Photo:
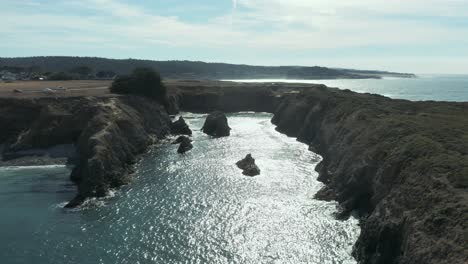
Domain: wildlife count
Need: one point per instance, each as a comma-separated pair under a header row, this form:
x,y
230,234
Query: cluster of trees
x,y
75,73
81,73
142,81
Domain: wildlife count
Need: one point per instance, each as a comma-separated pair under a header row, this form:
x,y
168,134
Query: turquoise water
x,y
193,208
29,206
426,87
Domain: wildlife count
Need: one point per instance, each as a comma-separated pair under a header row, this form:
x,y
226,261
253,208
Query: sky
x,y
418,36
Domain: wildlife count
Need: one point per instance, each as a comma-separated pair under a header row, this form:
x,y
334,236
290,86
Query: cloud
x,y
116,8
256,26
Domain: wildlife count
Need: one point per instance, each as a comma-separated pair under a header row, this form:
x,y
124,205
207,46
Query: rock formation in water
x,y
108,132
216,125
248,166
185,144
179,127
179,140
401,165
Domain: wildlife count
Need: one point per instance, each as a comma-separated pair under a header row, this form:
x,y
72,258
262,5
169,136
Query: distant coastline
x,y
98,67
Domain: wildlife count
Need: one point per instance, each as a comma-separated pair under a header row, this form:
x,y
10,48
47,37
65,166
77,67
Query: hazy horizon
x,y
421,37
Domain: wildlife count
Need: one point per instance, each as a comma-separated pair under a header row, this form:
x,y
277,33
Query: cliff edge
x,y
402,166
107,132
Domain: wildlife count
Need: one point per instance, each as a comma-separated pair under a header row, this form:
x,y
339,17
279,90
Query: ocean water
x,y
192,208
452,88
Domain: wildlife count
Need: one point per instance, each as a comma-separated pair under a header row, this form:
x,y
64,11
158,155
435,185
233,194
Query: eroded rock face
x,y
185,144
216,125
180,127
109,133
248,166
399,164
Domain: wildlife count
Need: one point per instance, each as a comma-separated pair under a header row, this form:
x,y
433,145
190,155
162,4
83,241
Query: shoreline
x,y
395,162
376,154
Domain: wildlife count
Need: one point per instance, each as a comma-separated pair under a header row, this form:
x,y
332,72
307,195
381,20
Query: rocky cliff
x,y
107,132
207,96
401,166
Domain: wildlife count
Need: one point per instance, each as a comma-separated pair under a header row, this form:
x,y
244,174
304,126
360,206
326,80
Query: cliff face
x,y
108,133
402,166
208,96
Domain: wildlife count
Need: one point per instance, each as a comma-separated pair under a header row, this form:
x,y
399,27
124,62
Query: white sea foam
x,y
53,166
90,203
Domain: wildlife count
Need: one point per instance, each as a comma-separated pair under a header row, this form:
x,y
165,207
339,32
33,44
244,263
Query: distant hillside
x,y
189,69
378,73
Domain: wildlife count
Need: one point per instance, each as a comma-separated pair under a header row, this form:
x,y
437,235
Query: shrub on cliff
x,y
142,81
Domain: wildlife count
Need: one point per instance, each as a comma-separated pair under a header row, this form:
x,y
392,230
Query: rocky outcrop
x,y
108,132
228,97
179,140
248,166
216,125
185,144
179,127
401,165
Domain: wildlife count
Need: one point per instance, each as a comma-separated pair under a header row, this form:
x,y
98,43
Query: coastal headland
x,y
400,166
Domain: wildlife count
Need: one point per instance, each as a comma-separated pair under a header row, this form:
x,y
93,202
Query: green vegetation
x,y
60,76
185,69
105,74
82,71
143,81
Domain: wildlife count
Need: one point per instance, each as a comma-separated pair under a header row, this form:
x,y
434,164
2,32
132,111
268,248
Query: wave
x,y
53,166
89,203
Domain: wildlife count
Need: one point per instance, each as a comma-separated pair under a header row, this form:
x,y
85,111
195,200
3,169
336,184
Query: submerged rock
x,y
185,144
216,125
248,166
179,127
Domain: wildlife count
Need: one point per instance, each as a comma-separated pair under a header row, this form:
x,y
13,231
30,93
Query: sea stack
x,y
248,166
185,144
216,125
180,127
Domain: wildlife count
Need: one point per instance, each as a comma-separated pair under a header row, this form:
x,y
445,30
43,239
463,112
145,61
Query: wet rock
x,y
248,166
216,125
179,127
185,144
180,139
108,135
75,202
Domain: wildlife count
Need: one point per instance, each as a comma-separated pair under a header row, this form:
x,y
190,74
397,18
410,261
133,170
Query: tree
x,y
105,74
60,76
143,81
83,71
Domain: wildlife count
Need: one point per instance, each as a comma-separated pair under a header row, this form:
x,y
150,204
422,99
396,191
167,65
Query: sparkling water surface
x,y
192,208
426,87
